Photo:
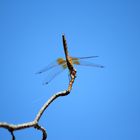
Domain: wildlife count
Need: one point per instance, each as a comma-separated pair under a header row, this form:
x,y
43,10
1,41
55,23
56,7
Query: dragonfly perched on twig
x,y
61,64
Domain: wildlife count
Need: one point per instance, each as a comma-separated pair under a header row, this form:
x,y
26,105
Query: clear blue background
x,y
104,103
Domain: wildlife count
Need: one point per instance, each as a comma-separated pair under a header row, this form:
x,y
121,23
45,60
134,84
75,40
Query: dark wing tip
x,y
102,66
45,83
38,72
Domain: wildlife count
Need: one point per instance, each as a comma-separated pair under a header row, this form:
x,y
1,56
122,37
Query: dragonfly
x,y
60,64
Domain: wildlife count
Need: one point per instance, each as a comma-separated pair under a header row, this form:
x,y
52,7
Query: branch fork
x,y
35,123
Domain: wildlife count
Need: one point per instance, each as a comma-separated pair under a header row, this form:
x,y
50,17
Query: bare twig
x,y
13,137
11,127
44,133
69,64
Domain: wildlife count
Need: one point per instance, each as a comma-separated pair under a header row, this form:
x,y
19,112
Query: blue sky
x,y
104,103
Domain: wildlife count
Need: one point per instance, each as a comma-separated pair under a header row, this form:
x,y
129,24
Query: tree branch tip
x,y
63,34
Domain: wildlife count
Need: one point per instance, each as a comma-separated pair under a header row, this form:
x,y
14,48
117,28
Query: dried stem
x,y
35,123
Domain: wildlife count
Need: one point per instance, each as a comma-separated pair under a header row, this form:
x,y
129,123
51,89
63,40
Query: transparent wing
x,y
81,62
77,58
53,73
57,63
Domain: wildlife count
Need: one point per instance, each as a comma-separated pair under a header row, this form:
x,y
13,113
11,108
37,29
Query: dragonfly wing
x,y
78,58
86,63
56,63
53,73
